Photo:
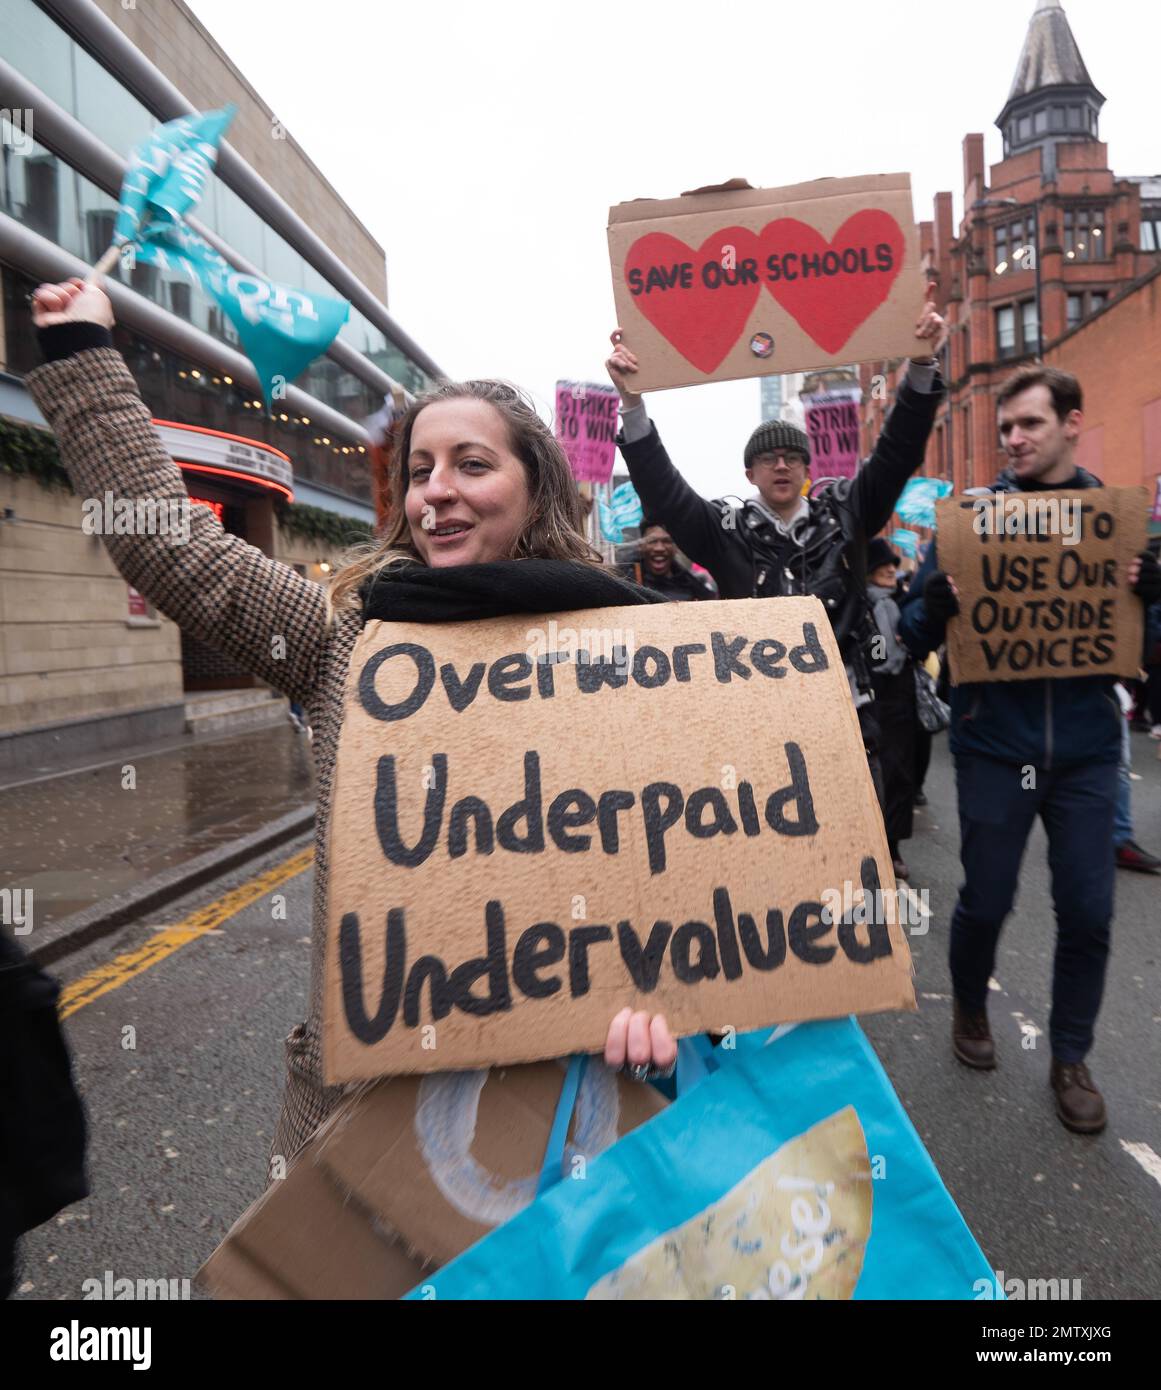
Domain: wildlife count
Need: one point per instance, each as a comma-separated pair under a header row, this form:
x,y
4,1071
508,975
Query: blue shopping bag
x,y
789,1170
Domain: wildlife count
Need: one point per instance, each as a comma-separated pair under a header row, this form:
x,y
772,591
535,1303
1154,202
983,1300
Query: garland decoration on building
x,y
29,452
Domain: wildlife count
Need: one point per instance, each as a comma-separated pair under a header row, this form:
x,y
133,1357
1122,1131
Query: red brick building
x,y
1116,355
1050,237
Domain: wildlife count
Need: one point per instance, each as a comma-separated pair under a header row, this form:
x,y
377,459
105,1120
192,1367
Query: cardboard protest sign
x,y
1042,583
734,281
538,821
586,425
832,423
409,1172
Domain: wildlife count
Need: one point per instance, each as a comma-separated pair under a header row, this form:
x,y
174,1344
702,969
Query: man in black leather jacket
x,y
781,543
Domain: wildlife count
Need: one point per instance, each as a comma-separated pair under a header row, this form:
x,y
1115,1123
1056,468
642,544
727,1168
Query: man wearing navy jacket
x,y
1022,749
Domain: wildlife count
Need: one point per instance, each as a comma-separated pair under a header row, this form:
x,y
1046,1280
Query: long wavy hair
x,y
552,529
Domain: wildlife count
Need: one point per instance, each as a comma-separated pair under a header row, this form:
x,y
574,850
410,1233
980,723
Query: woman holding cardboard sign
x,y
486,522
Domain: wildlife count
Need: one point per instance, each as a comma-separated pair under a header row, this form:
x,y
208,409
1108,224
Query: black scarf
x,y
418,593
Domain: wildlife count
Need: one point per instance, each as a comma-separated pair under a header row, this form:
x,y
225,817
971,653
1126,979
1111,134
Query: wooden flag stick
x,y
105,264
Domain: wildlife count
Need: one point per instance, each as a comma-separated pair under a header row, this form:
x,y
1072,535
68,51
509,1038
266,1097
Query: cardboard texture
x,y
1042,583
408,1173
739,282
521,844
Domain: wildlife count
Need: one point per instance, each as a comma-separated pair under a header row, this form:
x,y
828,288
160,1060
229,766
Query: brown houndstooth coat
x,y
227,593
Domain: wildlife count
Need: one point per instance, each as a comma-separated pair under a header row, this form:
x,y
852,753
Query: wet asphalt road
x,y
181,1122
83,836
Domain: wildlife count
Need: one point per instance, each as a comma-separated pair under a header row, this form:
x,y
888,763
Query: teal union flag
x,y
916,504
623,509
167,173
282,329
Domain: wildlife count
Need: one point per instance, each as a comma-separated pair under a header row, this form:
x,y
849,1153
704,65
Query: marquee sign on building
x,y
231,456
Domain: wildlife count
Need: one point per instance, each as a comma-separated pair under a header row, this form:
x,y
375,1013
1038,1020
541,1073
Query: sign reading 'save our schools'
x,y
539,821
735,281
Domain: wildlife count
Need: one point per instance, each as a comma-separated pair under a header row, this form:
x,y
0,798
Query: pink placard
x,y
832,422
586,425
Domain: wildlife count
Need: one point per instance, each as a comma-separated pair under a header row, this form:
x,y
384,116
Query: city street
x,y
181,1121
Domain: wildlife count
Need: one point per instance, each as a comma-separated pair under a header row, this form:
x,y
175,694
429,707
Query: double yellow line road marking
x,y
124,968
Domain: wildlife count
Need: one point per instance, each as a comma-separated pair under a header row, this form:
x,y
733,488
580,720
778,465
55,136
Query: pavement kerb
x,y
69,934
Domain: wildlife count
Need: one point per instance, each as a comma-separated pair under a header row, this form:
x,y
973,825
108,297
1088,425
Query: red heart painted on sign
x,y
690,297
830,288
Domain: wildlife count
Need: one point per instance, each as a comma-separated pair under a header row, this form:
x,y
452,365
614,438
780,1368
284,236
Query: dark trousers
x,y
8,1249
869,728
922,754
898,720
1152,701
996,813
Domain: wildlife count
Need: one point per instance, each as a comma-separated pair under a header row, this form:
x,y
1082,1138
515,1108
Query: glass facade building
x,y
50,197
86,663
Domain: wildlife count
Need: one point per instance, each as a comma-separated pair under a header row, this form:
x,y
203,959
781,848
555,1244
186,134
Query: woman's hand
x,y
638,1042
74,301
620,365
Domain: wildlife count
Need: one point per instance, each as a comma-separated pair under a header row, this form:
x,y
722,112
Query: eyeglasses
x,y
791,460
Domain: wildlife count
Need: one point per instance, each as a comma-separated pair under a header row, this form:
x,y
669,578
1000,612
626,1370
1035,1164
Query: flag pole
x,y
103,266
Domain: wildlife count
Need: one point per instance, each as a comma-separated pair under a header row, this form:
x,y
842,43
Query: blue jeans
x,y
996,813
1123,826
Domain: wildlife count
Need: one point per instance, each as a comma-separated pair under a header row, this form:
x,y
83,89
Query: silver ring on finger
x,y
637,1071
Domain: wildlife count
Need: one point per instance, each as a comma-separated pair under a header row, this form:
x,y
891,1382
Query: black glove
x,y
1148,585
938,599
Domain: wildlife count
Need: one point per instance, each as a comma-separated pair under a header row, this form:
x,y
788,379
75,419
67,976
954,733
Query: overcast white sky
x,y
483,143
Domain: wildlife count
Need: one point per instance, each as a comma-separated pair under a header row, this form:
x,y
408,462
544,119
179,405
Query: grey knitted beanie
x,y
776,434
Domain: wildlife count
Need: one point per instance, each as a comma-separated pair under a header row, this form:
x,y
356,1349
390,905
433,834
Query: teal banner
x,y
167,173
916,504
282,329
623,509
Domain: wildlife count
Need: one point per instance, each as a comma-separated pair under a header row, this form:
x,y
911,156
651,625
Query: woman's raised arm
x,y
214,585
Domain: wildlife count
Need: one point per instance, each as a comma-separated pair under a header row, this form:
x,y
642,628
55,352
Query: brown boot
x,y
971,1038
1079,1104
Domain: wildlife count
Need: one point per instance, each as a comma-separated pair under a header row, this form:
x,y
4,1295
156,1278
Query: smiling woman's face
x,y
468,498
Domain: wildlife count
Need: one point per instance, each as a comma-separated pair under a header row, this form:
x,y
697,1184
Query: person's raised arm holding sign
x,y
782,542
